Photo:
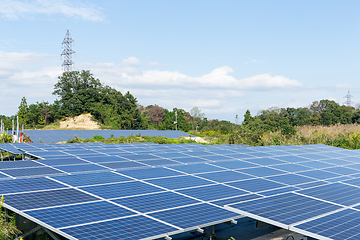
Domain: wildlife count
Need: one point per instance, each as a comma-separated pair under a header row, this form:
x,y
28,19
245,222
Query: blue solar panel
x,y
155,202
91,178
150,173
131,228
256,185
118,190
265,161
35,171
235,164
319,174
59,162
225,176
292,159
141,157
214,192
170,155
161,162
342,170
79,214
104,158
26,201
243,198
338,226
196,168
195,215
278,191
275,193
286,208
179,182
291,179
261,171
27,185
18,164
120,165
81,168
337,192
239,155
291,167
316,164
189,160
339,162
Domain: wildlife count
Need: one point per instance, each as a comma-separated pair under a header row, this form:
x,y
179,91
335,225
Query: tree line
x,y
285,120
80,92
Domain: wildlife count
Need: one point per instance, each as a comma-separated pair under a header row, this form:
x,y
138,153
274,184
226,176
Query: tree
x,y
22,112
196,116
8,228
33,114
155,114
78,92
247,117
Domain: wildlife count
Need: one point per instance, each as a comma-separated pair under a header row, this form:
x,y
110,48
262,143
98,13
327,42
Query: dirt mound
x,y
82,121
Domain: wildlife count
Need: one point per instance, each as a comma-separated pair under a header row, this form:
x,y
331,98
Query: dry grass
x,y
345,136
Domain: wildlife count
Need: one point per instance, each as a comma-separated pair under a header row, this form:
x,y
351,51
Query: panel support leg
x,y
34,230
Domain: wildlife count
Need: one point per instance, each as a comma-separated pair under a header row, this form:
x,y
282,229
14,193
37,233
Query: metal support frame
x,y
36,229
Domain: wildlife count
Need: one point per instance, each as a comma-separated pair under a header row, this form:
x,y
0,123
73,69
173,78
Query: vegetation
x,y
131,139
80,92
8,228
324,122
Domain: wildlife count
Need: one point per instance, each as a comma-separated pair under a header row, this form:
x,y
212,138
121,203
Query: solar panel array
x,y
55,136
148,191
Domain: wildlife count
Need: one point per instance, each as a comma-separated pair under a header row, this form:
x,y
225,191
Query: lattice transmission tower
x,y
348,99
67,52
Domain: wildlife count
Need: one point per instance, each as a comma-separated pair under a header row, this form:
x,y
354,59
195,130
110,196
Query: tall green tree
x,y
78,92
22,112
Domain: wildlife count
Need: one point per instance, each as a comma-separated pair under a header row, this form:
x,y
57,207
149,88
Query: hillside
x,y
83,121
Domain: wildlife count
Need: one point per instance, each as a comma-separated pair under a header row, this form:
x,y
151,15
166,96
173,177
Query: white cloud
x,y
155,64
217,94
344,86
12,9
131,61
254,61
219,78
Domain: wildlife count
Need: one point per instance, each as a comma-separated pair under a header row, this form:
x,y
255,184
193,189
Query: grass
x,y
339,135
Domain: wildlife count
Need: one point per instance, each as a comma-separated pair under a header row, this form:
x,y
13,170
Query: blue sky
x,y
222,56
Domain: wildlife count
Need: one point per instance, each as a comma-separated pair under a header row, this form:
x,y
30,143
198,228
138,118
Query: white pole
x,y
17,128
12,130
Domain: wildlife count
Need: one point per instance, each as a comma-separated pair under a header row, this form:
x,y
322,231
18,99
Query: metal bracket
x,y
167,237
200,230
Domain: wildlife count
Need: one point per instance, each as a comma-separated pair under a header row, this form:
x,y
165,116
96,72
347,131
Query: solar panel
x,y
118,190
42,199
196,215
65,216
34,171
340,225
179,182
91,179
136,227
284,209
155,202
281,185
213,192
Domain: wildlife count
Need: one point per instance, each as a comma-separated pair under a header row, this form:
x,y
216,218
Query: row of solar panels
x,y
167,189
55,136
